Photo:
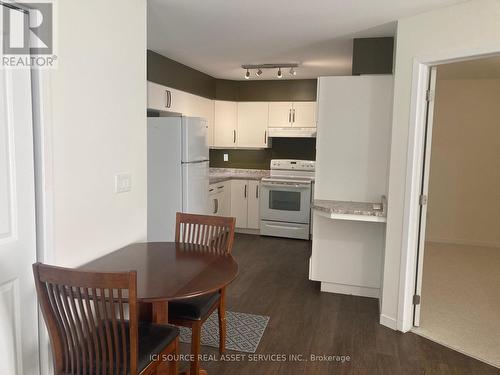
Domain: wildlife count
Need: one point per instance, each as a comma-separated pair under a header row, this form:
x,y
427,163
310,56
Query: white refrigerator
x,y
177,172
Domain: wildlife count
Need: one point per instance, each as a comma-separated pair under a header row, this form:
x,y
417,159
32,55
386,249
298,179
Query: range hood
x,y
290,132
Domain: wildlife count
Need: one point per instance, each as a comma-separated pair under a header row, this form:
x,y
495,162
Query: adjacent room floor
x,y
461,299
273,281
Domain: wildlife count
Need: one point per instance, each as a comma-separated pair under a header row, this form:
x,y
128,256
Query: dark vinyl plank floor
x,y
273,280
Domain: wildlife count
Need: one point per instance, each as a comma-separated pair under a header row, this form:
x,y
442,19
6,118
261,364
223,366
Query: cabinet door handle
x,y
257,191
265,137
216,209
245,193
168,98
234,136
290,115
294,115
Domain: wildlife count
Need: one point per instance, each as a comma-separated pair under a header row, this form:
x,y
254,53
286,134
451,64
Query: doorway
x,y
458,278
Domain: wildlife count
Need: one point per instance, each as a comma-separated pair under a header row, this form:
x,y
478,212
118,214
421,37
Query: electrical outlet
x,y
123,182
226,157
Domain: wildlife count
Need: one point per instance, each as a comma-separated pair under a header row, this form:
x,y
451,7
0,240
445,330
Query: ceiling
x,y
218,36
472,69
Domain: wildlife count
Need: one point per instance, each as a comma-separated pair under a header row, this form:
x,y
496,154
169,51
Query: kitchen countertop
x,y
217,175
348,210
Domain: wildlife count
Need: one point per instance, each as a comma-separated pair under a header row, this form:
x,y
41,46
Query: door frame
x,y
44,198
422,66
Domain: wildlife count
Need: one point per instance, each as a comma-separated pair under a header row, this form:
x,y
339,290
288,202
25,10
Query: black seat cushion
x,y
153,339
192,308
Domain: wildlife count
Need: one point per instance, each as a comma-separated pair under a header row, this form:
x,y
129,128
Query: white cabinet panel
x,y
253,118
164,98
157,97
253,219
239,205
280,114
304,114
226,122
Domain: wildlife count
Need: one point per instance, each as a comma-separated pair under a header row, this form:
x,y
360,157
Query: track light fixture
x,y
258,69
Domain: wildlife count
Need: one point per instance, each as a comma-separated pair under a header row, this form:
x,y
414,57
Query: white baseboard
x,y
455,241
350,289
388,322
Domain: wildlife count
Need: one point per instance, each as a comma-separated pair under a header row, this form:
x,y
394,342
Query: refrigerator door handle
x,y
195,162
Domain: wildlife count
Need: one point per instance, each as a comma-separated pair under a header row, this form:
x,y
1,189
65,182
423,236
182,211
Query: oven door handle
x,y
285,185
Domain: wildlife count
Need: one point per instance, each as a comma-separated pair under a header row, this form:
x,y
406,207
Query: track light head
x,y
279,75
258,72
293,72
247,74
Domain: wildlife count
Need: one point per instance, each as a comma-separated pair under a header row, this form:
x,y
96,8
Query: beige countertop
x,y
348,210
217,175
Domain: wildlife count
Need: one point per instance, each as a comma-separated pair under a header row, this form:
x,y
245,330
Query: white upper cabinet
x,y
304,114
164,98
292,114
280,114
253,118
225,124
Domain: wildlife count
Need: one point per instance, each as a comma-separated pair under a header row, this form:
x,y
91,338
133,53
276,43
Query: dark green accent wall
x,y
372,56
162,70
269,90
282,148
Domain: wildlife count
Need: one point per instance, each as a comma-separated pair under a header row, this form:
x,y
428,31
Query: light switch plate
x,y
123,182
226,157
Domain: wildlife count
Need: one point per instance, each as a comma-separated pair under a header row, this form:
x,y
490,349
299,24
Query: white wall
x,y
464,185
447,31
96,128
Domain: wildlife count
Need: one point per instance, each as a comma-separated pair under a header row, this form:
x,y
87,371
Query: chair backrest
x,y
214,232
85,313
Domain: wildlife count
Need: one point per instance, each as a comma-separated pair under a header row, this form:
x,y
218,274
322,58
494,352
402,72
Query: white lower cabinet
x,y
253,219
245,203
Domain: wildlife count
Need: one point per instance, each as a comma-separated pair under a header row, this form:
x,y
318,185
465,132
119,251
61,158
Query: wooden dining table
x,y
168,271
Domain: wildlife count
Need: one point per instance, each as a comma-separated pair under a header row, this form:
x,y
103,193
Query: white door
x,y
280,114
225,123
195,188
424,193
239,198
253,118
18,304
304,115
253,205
194,139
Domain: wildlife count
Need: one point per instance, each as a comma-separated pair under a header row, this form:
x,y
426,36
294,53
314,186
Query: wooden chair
x,y
85,313
217,235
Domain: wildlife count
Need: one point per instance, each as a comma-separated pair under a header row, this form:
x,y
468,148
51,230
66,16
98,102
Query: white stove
x,y
285,199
